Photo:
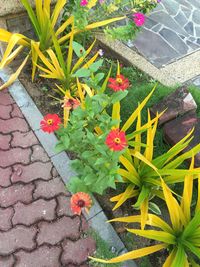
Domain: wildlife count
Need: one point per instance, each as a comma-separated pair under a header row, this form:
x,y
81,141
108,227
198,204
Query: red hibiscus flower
x,y
80,201
120,83
116,140
50,123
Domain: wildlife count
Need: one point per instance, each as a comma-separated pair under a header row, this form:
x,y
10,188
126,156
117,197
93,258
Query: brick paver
x,y
37,227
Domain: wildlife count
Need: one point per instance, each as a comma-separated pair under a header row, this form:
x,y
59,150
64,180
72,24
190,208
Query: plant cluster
x,y
109,153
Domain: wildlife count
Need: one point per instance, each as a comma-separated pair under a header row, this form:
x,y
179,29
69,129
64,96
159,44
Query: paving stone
x,y
24,139
39,154
64,207
7,261
149,23
14,124
192,45
184,3
16,112
31,172
176,129
5,176
157,51
5,112
186,11
6,99
54,232
41,257
34,212
17,238
171,37
11,195
5,219
181,19
5,141
196,16
189,28
13,156
171,7
81,248
167,21
49,189
157,28
177,103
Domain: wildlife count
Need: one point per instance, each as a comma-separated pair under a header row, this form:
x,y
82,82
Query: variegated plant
x,y
181,237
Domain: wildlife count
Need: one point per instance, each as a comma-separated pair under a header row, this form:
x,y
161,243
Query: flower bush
x,y
109,153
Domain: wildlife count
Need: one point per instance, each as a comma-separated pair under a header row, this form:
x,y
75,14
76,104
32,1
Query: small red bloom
x,y
120,83
80,201
50,123
116,140
71,103
139,19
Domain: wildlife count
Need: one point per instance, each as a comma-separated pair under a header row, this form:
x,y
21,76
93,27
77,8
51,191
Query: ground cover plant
x,y
113,148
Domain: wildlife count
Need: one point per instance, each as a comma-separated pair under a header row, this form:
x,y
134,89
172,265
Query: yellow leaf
x,y
56,63
198,198
87,89
144,212
118,68
134,115
92,60
15,75
170,258
155,235
13,55
116,113
130,176
59,5
81,59
175,212
64,26
128,193
91,4
80,92
34,57
127,164
14,40
133,254
187,193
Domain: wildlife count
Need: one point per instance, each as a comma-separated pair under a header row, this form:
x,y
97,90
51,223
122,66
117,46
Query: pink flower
x,y
139,19
84,3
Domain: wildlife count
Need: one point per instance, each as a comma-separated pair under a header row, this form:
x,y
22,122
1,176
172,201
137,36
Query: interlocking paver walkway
x,y
37,227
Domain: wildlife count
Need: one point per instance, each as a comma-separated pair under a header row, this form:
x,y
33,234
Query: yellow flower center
x,y
117,140
50,122
119,80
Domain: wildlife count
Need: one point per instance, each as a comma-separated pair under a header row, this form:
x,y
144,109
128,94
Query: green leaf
x,y
96,65
154,208
118,96
142,196
82,73
76,185
59,147
78,49
99,77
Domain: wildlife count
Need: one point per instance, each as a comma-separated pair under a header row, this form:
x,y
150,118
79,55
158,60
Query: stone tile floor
x,y
37,228
171,31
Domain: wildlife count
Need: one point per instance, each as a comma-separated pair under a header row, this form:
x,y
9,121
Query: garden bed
x,y
141,85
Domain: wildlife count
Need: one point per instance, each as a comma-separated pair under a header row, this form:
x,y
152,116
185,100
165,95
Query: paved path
x,y
171,31
37,228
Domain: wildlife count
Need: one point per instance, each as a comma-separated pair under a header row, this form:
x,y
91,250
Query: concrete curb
x,y
178,72
97,219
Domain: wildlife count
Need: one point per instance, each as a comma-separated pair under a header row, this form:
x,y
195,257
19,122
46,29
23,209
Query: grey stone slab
x,y
49,142
171,7
153,47
95,209
150,23
196,16
172,38
185,3
157,28
195,3
167,21
197,31
186,11
189,28
181,19
33,116
193,46
196,81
